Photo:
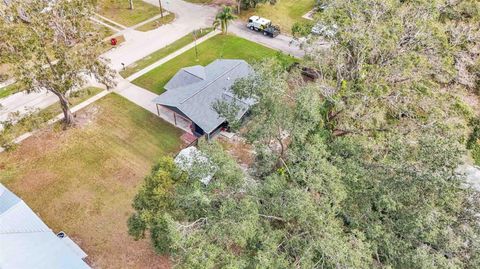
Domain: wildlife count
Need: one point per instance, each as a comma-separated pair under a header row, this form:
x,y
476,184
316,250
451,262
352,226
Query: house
x,y
191,94
26,242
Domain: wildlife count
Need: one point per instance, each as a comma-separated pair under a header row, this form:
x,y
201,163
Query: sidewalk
x,y
143,97
60,116
111,21
105,24
22,102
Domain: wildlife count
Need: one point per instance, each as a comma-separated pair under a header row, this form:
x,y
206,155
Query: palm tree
x,y
223,18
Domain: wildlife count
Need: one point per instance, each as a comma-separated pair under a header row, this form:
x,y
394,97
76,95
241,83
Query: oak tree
x,y
52,45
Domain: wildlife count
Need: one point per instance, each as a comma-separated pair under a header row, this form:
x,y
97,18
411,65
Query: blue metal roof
x,y
7,199
26,242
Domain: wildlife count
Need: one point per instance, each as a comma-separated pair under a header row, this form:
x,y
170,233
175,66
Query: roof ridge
x,y
185,69
14,205
210,83
27,231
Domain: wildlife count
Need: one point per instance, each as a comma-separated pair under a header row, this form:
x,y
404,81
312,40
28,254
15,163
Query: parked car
x,y
259,24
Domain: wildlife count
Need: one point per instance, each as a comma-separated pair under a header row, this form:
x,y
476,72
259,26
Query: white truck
x,y
259,24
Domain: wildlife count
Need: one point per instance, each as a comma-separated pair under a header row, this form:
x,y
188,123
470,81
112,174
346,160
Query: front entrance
x,y
197,130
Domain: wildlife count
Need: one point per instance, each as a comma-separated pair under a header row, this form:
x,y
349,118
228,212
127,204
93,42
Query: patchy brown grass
x,y
83,180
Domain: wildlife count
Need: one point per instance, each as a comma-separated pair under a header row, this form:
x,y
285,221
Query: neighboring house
x,y
196,163
26,242
192,92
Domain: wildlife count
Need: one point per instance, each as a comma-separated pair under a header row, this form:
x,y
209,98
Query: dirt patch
x,y
3,72
473,100
87,116
241,151
126,176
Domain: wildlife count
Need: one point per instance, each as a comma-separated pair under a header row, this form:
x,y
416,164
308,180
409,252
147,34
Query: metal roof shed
x,y
26,242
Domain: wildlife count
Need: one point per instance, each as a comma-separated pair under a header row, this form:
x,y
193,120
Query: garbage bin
x,y
113,41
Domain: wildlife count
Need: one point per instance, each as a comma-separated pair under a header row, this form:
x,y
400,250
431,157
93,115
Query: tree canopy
x,y
223,18
357,169
52,45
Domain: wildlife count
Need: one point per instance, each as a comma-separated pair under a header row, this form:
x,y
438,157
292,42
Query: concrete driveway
x,y
281,42
188,17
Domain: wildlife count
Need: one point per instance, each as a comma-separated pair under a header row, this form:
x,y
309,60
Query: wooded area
x,y
354,170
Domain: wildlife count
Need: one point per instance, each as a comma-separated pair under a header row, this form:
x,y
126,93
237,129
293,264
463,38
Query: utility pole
x,y
196,50
161,9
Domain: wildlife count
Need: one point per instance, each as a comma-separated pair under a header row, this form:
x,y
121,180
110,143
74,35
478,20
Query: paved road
x,y
172,55
23,102
139,44
188,17
281,42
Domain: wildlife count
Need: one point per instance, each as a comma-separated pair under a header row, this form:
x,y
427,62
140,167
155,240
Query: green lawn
x,y
156,23
10,89
162,53
284,13
119,11
83,180
217,47
104,31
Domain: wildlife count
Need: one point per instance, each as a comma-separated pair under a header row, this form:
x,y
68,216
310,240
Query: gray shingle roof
x,y
186,77
195,96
